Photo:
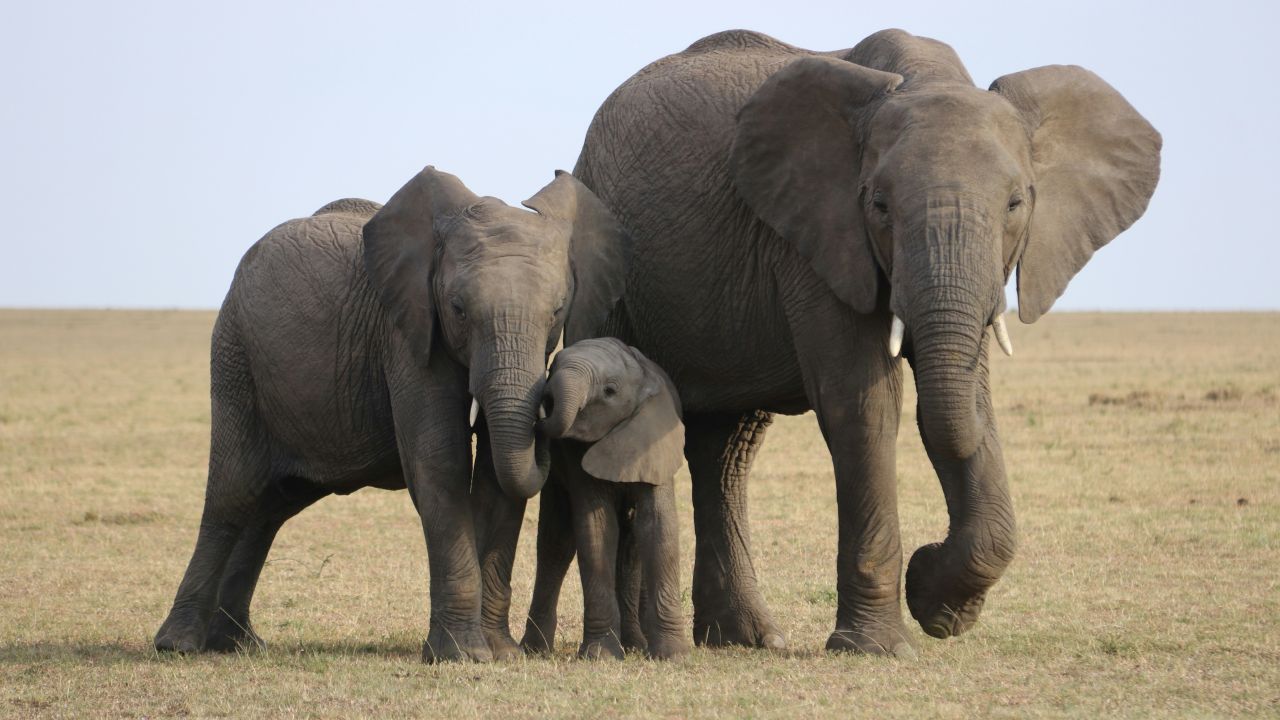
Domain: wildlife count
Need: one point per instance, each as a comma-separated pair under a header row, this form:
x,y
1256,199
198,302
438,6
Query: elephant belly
x,y
721,334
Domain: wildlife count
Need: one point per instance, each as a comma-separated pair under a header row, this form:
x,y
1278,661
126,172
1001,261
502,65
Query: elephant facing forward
x,y
799,219
616,417
346,355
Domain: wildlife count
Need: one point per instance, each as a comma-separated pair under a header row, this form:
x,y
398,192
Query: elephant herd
x,y
751,228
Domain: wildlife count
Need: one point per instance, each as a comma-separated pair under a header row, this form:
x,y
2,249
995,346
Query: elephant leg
x,y
630,580
658,536
855,388
555,551
187,625
239,477
434,442
498,521
947,582
230,628
595,523
727,606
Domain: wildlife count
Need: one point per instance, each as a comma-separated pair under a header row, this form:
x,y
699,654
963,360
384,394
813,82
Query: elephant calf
x,y
617,417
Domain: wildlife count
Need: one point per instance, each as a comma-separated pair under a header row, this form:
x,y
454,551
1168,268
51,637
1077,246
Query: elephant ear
x,y
597,252
1096,163
796,161
400,249
647,447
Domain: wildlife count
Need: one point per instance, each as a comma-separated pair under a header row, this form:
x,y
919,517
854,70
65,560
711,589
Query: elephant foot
x,y
667,648
502,645
942,604
633,638
227,634
182,635
882,639
539,638
455,645
603,648
749,627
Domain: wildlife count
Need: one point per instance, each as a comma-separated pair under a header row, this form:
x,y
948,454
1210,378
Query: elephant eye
x,y
456,304
610,390
879,203
1015,202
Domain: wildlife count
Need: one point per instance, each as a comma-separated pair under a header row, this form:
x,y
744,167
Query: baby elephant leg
x,y
596,530
630,581
659,539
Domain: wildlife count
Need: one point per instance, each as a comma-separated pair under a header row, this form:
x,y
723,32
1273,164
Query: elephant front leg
x,y
855,389
555,551
595,521
947,582
727,606
440,493
869,555
435,455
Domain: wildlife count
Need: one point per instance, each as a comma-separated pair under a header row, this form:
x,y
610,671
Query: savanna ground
x,y
1143,453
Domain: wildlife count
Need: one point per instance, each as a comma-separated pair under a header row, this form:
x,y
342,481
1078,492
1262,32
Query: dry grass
x,y
1143,453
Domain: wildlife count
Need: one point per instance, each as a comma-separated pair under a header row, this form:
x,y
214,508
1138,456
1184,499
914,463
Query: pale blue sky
x,y
145,146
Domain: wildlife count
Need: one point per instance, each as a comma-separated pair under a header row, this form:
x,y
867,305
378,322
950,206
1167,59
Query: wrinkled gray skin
x,y
346,355
782,204
612,487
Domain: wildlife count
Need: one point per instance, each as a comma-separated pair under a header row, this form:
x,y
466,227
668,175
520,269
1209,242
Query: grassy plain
x,y
1143,454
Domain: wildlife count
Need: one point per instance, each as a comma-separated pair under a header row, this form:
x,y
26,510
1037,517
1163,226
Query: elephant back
x,y
350,206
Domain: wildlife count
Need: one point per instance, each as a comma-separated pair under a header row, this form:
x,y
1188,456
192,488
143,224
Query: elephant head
x,y
910,191
603,392
918,180
494,286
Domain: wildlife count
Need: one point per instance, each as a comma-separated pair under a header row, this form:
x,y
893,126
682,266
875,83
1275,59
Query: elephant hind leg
x,y
239,476
230,628
232,502
727,606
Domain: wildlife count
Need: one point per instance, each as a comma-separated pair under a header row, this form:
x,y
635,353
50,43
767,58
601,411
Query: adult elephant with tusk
x,y
345,356
793,213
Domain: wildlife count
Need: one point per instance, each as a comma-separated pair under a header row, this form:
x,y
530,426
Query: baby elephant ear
x,y
597,252
647,447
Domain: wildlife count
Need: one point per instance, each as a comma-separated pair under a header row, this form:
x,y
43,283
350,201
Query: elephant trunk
x,y
565,395
947,302
945,363
947,284
507,377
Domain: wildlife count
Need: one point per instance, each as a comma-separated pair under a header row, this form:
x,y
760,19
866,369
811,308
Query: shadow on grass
x,y
122,651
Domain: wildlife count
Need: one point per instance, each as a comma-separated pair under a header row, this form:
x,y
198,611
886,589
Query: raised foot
x,y
455,645
502,645
728,628
605,648
882,640
229,635
942,604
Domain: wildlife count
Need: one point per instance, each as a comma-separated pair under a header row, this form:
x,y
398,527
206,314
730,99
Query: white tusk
x,y
475,411
542,412
895,337
1002,335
